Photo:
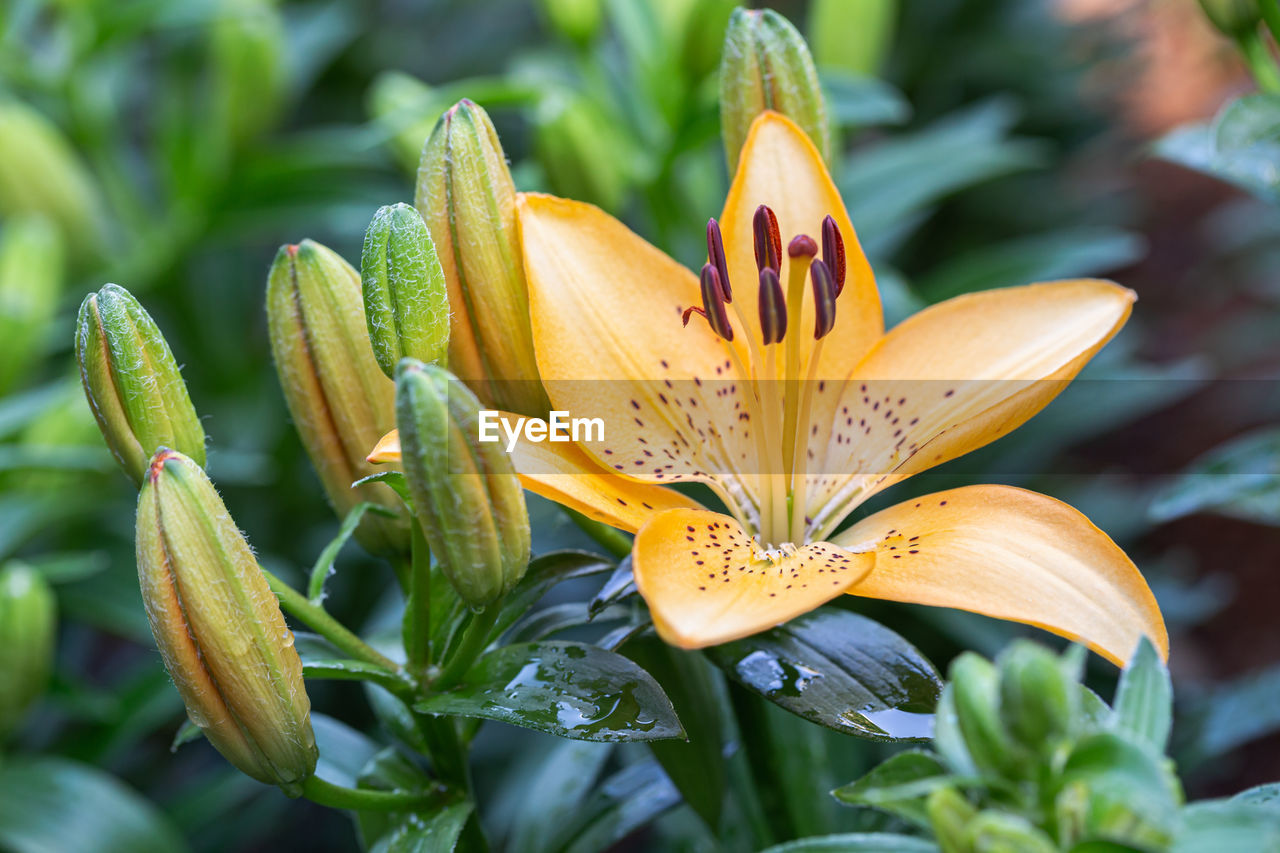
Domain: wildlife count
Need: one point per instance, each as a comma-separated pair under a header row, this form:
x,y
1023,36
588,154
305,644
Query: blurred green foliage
x,y
172,147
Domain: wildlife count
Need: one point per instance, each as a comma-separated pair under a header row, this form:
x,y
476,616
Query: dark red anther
x,y
802,246
833,252
773,307
715,256
713,303
768,240
824,299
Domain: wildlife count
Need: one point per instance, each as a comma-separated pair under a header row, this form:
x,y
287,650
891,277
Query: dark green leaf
x,y
900,785
623,803
437,833
394,479
186,733
554,794
696,765
620,584
50,804
858,842
543,573
840,670
567,689
341,669
1240,478
1144,699
324,563
344,752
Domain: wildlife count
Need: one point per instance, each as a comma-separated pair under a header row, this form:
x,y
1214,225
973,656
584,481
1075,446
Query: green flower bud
x,y
30,281
766,66
1232,17
247,53
949,815
1000,832
408,109
576,20
1038,703
28,628
340,400
41,173
1117,790
219,627
581,150
466,196
975,690
132,382
465,492
405,304
851,36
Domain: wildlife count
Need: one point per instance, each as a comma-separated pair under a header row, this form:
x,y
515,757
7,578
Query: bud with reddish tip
x,y
219,628
132,382
766,66
466,494
468,201
339,398
405,304
28,626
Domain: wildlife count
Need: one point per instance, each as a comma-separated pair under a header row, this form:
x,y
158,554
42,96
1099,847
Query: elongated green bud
x,y
406,306
30,282
766,66
340,400
132,382
975,690
28,628
465,492
219,627
1038,703
949,815
41,173
466,196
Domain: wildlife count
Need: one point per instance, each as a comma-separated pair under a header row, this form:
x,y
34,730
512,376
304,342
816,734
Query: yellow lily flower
x,y
799,408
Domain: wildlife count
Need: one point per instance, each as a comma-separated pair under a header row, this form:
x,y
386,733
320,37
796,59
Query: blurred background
x,y
172,147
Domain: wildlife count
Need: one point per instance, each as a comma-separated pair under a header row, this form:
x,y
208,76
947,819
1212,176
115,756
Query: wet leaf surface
x,y
567,689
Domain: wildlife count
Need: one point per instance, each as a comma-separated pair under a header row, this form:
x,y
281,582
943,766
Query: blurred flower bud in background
x,y
31,267
576,20
406,305
766,66
41,173
409,108
851,36
132,382
583,153
340,400
465,492
219,627
1039,702
28,629
246,59
1232,17
467,199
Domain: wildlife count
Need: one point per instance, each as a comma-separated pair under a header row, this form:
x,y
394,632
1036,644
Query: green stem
x,y
417,611
611,539
448,755
319,620
1258,56
334,796
1270,10
475,639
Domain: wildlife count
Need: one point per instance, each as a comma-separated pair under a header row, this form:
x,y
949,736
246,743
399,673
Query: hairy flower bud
x,y
465,492
1038,703
41,173
340,400
466,196
132,382
405,304
28,626
30,281
766,66
219,627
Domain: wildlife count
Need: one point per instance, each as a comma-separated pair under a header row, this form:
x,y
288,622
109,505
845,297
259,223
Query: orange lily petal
x,y
1015,555
561,472
957,376
781,167
609,340
706,582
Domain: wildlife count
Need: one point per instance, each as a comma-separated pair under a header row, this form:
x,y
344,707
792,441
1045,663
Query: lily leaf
x,y
543,573
1241,146
841,670
858,842
899,786
624,802
620,584
1144,699
1240,478
567,689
